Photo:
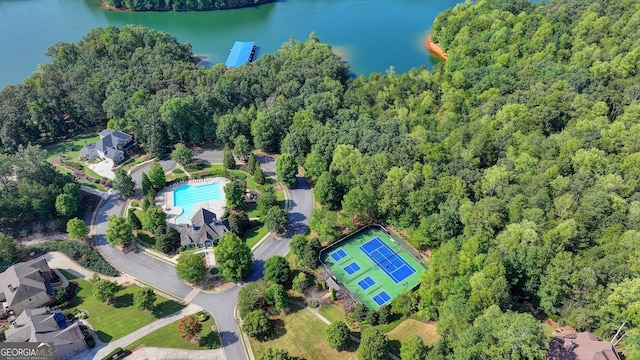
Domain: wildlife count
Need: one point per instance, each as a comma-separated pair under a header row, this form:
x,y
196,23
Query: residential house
x,y
111,146
205,230
26,285
581,346
43,325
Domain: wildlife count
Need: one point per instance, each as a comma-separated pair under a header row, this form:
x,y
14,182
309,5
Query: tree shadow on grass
x,y
123,301
104,337
166,308
394,346
277,330
211,341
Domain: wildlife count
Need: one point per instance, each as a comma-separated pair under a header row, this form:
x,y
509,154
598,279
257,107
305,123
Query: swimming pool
x,y
188,196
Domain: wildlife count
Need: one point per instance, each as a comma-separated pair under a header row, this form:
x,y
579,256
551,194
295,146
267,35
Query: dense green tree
x,y
118,231
252,164
233,257
123,183
337,335
274,354
234,193
327,191
154,218
314,166
256,324
167,239
413,348
104,290
374,345
276,219
267,200
286,169
156,176
133,219
228,160
191,267
241,147
77,229
181,154
8,248
277,269
66,205
146,184
144,299
239,223
300,282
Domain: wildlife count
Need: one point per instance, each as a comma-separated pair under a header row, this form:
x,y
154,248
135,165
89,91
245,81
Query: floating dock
x,y
241,53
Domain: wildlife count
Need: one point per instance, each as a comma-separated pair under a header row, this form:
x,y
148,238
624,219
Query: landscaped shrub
x,y
217,172
177,171
83,253
74,165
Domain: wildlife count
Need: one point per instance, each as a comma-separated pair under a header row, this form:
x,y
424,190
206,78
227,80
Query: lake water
x,y
371,34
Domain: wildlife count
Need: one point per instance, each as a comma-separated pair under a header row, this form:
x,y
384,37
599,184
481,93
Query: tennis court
x,y
372,266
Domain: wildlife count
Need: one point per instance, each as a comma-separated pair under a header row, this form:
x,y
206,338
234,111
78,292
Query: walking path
x,y
145,330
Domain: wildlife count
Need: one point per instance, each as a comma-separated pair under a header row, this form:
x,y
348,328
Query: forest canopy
x,y
181,5
516,162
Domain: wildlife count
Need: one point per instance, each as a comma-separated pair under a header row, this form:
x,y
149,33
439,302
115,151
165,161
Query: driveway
x,y
162,275
104,168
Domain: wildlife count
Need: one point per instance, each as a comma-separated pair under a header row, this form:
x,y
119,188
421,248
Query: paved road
x,y
167,165
162,275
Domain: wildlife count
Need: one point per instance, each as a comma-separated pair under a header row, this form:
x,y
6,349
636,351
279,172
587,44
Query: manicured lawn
x,y
252,210
426,331
71,148
119,318
302,335
167,337
331,312
548,329
92,174
253,236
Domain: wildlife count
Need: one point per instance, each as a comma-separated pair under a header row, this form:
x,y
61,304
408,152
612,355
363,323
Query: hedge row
x,y
83,253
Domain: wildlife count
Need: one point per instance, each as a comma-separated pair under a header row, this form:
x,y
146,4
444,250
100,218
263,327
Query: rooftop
x,y
241,52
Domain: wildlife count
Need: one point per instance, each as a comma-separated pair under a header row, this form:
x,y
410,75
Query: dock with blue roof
x,y
241,53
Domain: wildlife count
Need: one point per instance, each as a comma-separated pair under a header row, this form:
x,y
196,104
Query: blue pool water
x,y
187,196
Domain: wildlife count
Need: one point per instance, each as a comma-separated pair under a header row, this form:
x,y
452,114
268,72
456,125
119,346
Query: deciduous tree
x,y
191,267
105,290
276,219
286,169
181,154
277,269
233,257
156,176
374,345
118,231
77,229
337,335
234,194
144,299
256,324
413,348
228,160
241,147
189,327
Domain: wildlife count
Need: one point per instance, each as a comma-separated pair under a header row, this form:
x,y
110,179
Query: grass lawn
x,y
92,174
71,148
167,337
252,210
302,335
119,318
426,331
253,236
548,330
331,312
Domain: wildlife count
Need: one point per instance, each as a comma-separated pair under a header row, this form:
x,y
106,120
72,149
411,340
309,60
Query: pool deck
x,y
164,200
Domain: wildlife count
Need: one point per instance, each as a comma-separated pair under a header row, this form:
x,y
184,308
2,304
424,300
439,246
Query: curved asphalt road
x,y
162,275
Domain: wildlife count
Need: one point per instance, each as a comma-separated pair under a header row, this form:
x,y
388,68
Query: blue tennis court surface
x,y
388,260
381,298
339,254
351,268
366,283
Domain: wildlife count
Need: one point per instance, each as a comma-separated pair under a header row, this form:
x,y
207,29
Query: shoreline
x,y
108,7
435,49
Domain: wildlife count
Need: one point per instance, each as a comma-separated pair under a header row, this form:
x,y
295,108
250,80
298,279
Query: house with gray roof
x,y
26,285
205,230
43,325
111,146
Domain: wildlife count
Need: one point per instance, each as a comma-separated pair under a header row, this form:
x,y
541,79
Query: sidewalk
x,y
131,337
